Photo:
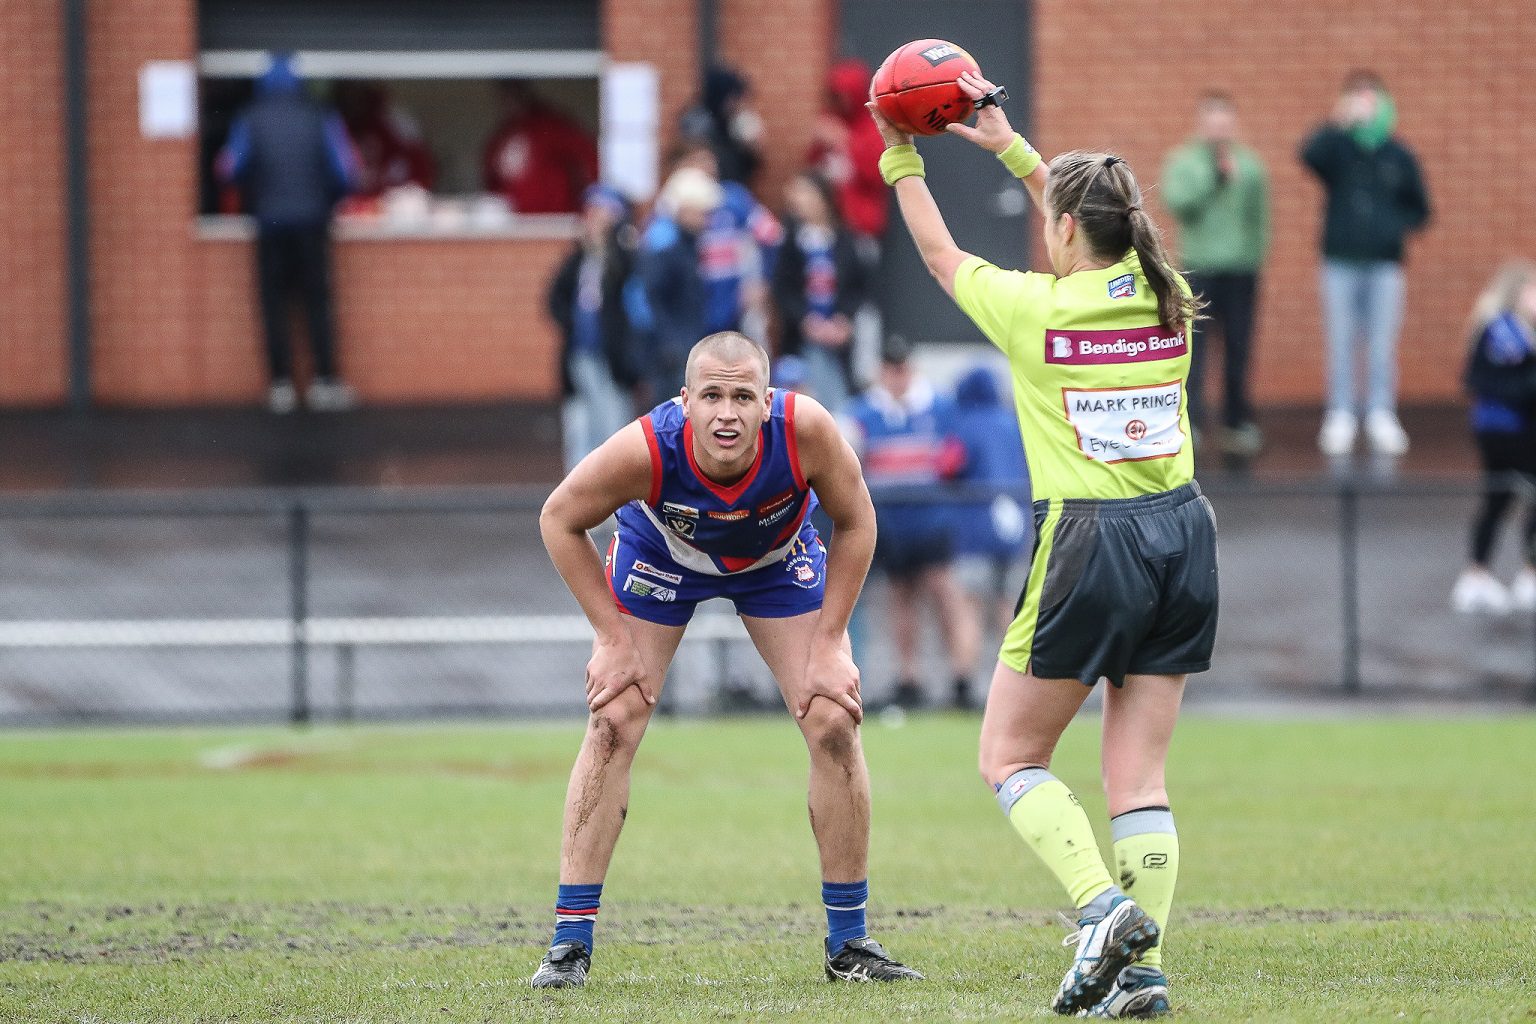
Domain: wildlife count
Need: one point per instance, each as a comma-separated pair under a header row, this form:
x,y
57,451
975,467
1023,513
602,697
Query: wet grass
x,y
1332,870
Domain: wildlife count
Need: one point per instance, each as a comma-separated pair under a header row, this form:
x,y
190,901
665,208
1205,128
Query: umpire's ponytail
x,y
1101,194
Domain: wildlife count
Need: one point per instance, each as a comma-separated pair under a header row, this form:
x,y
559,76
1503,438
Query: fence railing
x,y
301,628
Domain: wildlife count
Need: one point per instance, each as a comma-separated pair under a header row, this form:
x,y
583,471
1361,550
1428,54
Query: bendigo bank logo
x,y
1099,348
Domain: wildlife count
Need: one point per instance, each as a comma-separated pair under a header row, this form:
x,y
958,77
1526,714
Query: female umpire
x,y
1123,580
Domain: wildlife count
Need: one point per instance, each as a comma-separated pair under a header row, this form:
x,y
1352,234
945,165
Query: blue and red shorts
x,y
649,585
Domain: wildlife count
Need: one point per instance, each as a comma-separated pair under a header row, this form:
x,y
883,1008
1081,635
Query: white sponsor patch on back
x,y
1127,424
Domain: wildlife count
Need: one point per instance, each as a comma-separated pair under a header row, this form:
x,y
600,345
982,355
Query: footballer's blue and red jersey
x,y
692,538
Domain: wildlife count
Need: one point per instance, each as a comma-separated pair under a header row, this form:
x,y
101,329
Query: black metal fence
x,y
339,603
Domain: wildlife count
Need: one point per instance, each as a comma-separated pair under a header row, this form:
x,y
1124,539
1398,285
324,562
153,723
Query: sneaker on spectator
x,y
328,394
281,398
1245,440
1522,592
1338,434
1478,591
1386,434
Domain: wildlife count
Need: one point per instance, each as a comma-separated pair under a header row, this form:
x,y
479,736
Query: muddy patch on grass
x,y
160,932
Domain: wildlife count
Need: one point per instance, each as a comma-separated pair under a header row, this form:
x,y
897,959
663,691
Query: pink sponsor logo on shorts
x,y
1097,348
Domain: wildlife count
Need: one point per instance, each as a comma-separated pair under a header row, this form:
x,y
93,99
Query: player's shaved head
x,y
727,347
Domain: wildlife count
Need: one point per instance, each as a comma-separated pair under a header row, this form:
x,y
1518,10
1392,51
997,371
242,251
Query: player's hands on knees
x,y
615,666
992,131
892,135
831,673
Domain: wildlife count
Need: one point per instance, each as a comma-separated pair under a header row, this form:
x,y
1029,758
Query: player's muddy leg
x,y
597,799
839,787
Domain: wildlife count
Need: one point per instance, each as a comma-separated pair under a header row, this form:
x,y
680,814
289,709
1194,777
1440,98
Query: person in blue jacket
x,y
1501,376
293,161
901,428
997,528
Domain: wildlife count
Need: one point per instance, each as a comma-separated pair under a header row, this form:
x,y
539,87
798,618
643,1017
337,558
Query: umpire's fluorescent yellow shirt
x,y
1099,384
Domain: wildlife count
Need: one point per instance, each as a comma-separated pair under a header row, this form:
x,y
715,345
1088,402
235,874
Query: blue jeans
x,y
1362,304
597,409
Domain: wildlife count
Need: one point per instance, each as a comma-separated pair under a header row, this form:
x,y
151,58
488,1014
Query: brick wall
x,y
1126,76
34,367
174,320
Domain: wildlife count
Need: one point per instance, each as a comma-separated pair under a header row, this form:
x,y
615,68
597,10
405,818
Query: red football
x,y
915,88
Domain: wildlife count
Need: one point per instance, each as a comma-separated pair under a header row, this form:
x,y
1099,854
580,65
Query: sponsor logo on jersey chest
x,y
1103,348
730,516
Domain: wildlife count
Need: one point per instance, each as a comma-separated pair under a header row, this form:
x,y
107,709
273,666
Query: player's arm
x,y
832,470
619,471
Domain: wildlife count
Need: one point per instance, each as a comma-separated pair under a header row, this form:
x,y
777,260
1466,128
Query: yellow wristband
x,y
899,162
1020,157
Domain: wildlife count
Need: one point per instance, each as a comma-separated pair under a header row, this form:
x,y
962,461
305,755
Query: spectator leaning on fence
x,y
902,430
992,530
1218,191
1375,197
292,161
1501,375
586,300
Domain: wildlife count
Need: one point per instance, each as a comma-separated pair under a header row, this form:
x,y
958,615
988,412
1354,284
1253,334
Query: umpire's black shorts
x,y
1118,587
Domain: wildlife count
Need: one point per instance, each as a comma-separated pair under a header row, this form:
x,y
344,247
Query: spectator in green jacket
x,y
1218,191
1376,196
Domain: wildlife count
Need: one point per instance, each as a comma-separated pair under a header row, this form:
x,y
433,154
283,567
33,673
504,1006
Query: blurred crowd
x,y
796,271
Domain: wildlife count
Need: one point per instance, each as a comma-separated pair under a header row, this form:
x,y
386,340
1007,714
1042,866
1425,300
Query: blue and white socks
x,y
576,913
845,903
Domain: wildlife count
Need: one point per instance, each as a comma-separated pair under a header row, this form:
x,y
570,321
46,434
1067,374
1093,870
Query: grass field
x,y
1332,871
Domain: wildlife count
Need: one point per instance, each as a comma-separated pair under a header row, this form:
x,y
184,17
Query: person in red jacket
x,y
391,151
540,159
847,147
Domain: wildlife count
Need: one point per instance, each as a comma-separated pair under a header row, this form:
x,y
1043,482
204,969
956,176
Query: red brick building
x,y
459,319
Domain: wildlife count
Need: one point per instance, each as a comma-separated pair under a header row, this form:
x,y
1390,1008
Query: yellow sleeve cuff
x,y
899,162
1020,157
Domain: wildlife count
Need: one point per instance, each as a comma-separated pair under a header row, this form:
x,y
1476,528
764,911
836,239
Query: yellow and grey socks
x,y
1043,810
1147,854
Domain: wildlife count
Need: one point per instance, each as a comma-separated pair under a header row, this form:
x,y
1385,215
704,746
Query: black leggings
x,y
1505,457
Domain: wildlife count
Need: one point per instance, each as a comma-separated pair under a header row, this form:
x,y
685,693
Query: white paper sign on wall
x,y
168,99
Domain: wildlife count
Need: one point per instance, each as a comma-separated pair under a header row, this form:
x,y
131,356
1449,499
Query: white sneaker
x,y
1522,592
1140,992
281,398
327,394
1477,592
1386,434
1104,948
1338,434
